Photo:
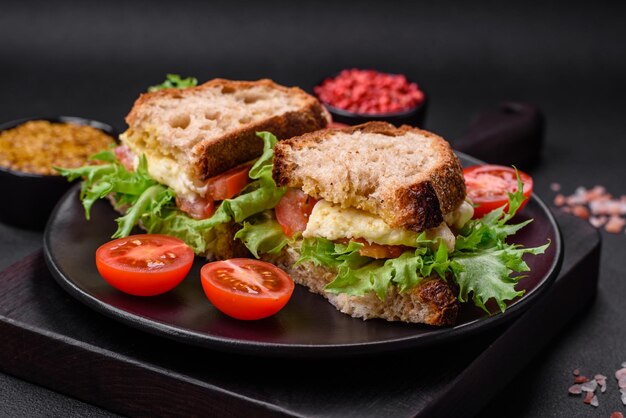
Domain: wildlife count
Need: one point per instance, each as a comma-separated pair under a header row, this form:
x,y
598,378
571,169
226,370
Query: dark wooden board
x,y
53,340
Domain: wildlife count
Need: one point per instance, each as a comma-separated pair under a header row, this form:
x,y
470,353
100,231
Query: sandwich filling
x,y
367,255
334,223
162,167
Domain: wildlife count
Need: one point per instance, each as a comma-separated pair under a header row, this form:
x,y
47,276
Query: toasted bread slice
x,y
431,302
189,135
408,177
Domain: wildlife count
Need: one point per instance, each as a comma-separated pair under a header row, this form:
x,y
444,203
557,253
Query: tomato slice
x,y
199,208
144,265
488,187
293,211
125,156
378,251
246,288
228,184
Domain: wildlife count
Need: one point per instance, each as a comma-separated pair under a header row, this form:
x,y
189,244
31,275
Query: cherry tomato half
x,y
488,186
228,184
144,265
246,288
293,211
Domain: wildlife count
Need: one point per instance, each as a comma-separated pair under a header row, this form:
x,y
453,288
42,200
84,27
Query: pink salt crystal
x,y
559,200
581,379
603,387
597,221
580,211
622,383
575,390
576,372
594,401
621,373
599,377
617,414
615,224
590,386
588,397
555,187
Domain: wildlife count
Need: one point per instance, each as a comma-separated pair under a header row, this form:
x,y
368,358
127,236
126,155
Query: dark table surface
x,y
92,59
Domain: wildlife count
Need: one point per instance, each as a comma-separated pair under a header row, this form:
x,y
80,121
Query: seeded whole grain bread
x,y
431,302
408,177
211,128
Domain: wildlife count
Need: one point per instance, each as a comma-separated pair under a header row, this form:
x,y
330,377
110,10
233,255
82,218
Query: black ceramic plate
x,y
308,326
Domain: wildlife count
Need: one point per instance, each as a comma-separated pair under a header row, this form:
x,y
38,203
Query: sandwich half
x,y
375,219
383,186
191,163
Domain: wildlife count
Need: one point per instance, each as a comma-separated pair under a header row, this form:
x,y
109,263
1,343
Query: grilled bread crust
x,y
416,199
431,302
212,151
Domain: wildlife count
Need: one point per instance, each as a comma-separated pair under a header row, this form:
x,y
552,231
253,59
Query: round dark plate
x,y
308,326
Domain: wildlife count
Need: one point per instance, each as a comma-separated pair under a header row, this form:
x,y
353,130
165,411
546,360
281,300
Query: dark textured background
x,y
92,59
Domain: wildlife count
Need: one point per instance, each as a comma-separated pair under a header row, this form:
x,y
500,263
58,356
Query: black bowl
x,y
413,117
29,197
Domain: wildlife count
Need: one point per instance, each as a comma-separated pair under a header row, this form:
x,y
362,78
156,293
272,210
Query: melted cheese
x,y
459,217
334,222
164,169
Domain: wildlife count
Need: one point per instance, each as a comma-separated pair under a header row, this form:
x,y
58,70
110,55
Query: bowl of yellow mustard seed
x,y
30,148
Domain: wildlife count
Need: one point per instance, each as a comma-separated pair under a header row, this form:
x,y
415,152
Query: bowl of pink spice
x,y
355,96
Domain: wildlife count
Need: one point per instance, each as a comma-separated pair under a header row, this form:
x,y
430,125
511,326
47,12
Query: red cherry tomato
x,y
293,211
488,187
246,288
144,265
200,208
228,184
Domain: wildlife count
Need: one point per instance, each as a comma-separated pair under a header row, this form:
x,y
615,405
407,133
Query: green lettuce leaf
x,y
486,274
263,236
153,205
175,81
358,275
482,264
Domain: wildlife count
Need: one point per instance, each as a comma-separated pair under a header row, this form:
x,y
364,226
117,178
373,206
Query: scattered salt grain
x,y
617,414
615,224
597,221
597,206
621,373
622,383
581,379
559,200
575,390
588,397
594,401
589,386
581,211
555,187
576,372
